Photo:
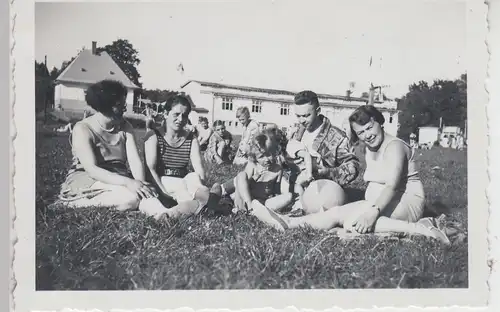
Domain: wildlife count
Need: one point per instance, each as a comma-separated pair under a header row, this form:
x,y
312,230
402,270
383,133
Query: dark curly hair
x,y
102,96
305,97
362,115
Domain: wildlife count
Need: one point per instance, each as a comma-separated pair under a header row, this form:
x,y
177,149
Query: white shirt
x,y
309,137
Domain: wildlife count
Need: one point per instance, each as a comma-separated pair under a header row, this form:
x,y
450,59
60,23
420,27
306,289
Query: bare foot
x,y
268,216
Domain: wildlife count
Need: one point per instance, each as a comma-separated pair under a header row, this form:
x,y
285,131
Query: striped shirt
x,y
173,161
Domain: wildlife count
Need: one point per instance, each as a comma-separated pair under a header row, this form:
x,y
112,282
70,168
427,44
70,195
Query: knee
x,y
128,201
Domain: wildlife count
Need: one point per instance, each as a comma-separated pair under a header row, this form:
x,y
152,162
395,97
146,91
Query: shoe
x,y
297,213
436,233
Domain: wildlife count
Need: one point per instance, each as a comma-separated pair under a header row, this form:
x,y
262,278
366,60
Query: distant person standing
x,y
250,129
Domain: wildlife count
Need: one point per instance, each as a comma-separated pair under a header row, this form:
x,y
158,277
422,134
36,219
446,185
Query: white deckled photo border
x,y
477,295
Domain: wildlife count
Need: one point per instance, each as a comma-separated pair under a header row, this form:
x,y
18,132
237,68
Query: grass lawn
x,y
104,249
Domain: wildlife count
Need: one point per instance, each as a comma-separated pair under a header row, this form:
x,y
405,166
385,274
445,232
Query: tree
x,y
425,105
43,88
127,58
157,95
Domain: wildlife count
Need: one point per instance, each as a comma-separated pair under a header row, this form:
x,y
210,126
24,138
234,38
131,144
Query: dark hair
x,y
362,115
102,96
227,136
202,119
305,97
218,123
175,100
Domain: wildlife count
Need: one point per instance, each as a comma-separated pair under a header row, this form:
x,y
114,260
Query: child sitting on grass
x,y
259,182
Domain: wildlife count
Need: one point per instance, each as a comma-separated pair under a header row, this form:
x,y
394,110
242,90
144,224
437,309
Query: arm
x,y
308,162
206,138
243,187
150,148
196,159
348,165
83,144
134,160
395,160
277,185
219,151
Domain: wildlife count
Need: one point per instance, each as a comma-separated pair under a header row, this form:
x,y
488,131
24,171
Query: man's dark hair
x,y
102,96
305,97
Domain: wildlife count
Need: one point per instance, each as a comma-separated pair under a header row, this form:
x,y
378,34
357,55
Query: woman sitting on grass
x,y
103,144
168,152
394,199
219,146
259,183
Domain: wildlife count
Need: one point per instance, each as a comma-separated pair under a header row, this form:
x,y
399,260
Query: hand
x,y
219,161
365,222
142,189
308,177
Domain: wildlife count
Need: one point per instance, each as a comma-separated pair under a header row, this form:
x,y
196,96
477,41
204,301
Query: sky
x,y
294,45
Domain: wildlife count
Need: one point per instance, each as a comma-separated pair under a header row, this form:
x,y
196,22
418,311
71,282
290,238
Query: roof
x,y
90,68
273,91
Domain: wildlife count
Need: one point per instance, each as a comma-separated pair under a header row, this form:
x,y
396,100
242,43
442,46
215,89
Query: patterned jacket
x,y
336,152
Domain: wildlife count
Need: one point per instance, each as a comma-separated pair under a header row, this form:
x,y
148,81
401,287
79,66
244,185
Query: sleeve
x,y
347,165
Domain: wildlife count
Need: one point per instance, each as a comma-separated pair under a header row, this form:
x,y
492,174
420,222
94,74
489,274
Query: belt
x,y
176,172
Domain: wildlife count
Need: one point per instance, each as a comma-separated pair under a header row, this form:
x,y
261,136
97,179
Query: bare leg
x,y
242,188
344,216
279,202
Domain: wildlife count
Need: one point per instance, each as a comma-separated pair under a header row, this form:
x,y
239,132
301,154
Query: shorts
x,y
182,189
407,205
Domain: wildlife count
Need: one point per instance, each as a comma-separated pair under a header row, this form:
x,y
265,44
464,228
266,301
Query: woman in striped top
x,y
168,152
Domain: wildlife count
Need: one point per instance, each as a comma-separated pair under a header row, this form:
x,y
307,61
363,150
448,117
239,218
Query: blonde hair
x,y
242,111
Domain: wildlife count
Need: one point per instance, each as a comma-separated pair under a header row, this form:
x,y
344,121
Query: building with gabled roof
x,y
87,68
274,106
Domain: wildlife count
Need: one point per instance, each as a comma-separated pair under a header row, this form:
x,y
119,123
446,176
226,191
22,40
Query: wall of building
x,y
212,100
68,96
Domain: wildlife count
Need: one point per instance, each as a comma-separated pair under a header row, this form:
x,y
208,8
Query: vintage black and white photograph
x,y
230,145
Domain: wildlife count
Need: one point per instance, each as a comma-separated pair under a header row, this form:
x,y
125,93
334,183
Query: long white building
x,y
220,102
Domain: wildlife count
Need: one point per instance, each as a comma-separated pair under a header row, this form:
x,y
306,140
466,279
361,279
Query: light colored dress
x,y
408,203
81,190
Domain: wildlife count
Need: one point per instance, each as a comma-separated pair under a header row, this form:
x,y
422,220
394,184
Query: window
x,y
229,123
227,103
236,124
256,106
284,109
390,119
